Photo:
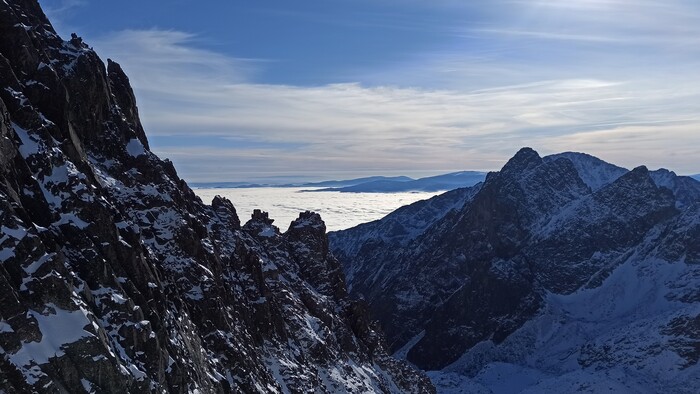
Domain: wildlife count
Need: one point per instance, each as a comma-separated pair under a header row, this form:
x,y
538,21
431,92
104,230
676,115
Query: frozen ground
x,y
338,210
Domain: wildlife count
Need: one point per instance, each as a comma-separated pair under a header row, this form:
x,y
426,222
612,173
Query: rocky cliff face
x,y
115,277
550,259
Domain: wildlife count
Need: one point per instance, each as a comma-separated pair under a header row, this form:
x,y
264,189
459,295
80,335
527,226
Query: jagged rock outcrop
x,y
549,259
115,277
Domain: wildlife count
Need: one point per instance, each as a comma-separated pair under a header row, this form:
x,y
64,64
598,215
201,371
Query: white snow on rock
x,y
594,172
195,293
87,386
33,267
4,327
6,254
16,233
73,219
58,327
29,146
267,232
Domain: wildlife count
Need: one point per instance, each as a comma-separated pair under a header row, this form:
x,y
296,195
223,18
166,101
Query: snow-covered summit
x,y
595,172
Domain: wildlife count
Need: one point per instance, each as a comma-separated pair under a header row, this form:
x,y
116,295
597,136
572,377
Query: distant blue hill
x,y
359,181
696,176
429,184
220,185
334,183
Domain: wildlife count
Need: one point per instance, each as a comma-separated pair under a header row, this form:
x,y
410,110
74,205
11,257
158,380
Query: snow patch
x,y
267,232
28,145
4,327
58,329
6,254
33,267
118,298
16,233
87,385
71,218
195,293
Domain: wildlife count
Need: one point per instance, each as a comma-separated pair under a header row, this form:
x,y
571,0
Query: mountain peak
x,y
595,172
666,172
543,243
261,224
636,181
525,159
640,170
308,220
225,210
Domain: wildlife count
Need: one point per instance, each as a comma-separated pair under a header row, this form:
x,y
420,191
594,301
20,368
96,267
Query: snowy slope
x,y
632,334
686,189
390,235
594,172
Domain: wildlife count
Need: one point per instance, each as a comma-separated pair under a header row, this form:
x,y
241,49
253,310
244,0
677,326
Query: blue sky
x,y
243,90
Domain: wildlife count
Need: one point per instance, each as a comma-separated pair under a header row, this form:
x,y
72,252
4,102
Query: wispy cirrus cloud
x,y
59,12
438,111
635,23
56,10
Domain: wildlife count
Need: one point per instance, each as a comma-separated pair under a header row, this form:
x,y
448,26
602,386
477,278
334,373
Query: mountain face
x,y
384,240
115,277
556,273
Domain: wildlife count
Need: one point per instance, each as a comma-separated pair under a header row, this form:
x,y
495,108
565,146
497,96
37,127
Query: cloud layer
x,y
548,80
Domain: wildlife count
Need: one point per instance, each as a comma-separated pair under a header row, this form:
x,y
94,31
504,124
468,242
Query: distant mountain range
x,y
449,181
372,184
696,176
333,183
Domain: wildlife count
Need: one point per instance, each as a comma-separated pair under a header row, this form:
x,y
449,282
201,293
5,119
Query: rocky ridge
x,y
115,277
541,271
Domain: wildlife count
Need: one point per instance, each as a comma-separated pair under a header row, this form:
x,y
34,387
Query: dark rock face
x,y
599,223
382,240
508,256
115,277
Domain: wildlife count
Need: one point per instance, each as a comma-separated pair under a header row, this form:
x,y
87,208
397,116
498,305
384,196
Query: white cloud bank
x,y
649,115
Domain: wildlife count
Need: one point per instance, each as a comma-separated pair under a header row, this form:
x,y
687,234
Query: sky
x,y
329,89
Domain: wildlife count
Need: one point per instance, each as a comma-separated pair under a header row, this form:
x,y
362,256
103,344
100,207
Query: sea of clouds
x,y
338,210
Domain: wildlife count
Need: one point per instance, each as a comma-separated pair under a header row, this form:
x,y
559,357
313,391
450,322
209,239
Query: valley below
x,y
339,211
